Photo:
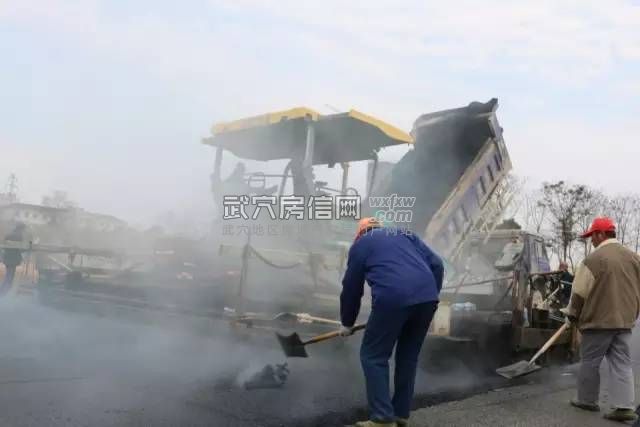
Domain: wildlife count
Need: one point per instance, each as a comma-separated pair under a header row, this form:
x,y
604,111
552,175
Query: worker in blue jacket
x,y
405,277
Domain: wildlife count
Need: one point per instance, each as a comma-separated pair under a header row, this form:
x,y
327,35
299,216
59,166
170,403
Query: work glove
x,y
346,331
568,319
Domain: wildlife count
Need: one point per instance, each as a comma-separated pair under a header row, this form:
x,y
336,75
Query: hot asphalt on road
x,y
67,369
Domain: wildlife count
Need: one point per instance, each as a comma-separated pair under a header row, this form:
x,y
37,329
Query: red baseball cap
x,y
602,223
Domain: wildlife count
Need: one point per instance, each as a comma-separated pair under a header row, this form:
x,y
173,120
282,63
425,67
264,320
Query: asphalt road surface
x,y
61,368
542,402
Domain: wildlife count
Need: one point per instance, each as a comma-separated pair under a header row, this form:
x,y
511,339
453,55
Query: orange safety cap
x,y
366,224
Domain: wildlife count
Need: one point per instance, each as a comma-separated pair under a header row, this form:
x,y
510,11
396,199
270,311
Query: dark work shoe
x,y
621,414
593,407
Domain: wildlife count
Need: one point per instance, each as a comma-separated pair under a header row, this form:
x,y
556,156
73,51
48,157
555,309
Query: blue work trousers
x,y
405,329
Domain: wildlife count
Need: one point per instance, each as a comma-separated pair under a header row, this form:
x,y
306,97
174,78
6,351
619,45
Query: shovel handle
x,y
305,316
549,343
332,334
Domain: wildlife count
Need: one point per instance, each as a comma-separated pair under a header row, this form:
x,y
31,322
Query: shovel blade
x,y
517,369
292,345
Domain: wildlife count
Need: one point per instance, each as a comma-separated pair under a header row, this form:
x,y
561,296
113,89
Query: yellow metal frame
x,y
264,120
391,131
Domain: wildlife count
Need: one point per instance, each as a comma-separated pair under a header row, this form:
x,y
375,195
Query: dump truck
x,y
458,173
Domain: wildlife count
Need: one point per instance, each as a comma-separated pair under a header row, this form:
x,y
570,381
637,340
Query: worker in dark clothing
x,y
11,258
566,281
405,277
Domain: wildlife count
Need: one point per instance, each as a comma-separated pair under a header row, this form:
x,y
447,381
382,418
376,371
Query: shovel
x,y
293,346
251,318
523,367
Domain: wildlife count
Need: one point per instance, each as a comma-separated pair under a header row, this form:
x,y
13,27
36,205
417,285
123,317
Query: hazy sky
x,y
108,100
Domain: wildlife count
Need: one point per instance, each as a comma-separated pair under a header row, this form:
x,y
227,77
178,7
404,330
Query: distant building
x,y
31,215
84,220
72,218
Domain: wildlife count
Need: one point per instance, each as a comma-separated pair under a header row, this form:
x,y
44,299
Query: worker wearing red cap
x,y
604,305
405,277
